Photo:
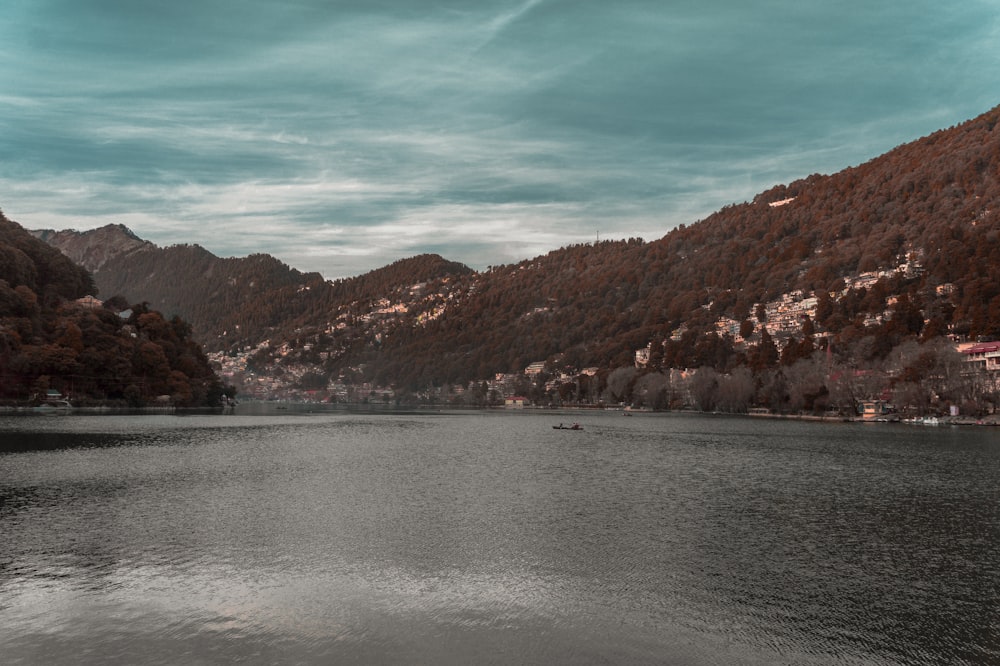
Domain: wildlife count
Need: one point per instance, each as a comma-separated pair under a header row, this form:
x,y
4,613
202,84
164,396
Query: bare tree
x,y
773,390
912,395
705,388
736,390
619,384
806,382
930,373
651,390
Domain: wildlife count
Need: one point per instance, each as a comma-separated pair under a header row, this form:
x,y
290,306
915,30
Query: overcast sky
x,y
342,136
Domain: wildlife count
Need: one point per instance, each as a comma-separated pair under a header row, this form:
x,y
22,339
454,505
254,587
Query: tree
x,y
806,384
116,303
620,384
736,391
150,363
705,388
905,318
764,354
655,354
651,390
133,396
772,391
180,390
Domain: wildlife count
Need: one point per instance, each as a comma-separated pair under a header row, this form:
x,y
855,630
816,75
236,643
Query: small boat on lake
x,y
575,426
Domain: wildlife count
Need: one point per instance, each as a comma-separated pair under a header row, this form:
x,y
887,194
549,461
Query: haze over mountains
x,y
905,246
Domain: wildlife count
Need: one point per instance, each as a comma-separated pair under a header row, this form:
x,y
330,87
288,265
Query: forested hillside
x,y
904,248
933,203
231,301
50,340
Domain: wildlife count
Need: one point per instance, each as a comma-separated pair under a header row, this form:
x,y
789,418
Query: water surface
x,y
492,538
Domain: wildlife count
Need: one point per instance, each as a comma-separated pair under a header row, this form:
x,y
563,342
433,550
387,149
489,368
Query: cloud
x,y
343,136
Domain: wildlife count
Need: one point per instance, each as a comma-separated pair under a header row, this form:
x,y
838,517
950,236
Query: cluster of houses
x,y
782,318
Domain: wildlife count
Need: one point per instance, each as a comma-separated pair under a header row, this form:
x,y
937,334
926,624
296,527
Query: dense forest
x,y
933,203
51,340
924,219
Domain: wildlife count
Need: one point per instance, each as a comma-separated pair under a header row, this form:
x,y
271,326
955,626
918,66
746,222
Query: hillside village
x,y
298,367
784,316
878,283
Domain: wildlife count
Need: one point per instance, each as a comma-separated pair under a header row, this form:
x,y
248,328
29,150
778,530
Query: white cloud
x,y
340,140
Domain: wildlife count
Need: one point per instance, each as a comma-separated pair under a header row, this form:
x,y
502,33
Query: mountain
x,y
905,244
229,301
35,266
186,280
55,337
93,249
905,247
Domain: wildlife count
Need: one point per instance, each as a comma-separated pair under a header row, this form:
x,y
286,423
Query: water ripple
x,y
491,538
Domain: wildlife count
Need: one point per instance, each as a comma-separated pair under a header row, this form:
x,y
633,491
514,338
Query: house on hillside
x,y
983,359
535,368
516,402
89,302
642,356
982,355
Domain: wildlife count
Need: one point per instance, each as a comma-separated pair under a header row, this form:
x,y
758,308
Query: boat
x,y
575,426
924,420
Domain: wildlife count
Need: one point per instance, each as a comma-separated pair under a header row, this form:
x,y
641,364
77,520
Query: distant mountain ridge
x,y
932,206
227,300
92,249
182,279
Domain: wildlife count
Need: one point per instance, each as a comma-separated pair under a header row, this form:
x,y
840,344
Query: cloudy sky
x,y
340,136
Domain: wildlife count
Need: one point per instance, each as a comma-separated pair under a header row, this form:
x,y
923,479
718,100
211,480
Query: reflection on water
x,y
492,538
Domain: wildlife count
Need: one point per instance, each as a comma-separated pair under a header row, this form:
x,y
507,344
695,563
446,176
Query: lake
x,y
492,538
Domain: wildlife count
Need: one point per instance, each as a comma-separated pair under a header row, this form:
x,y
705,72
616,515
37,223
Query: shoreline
x,y
269,407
